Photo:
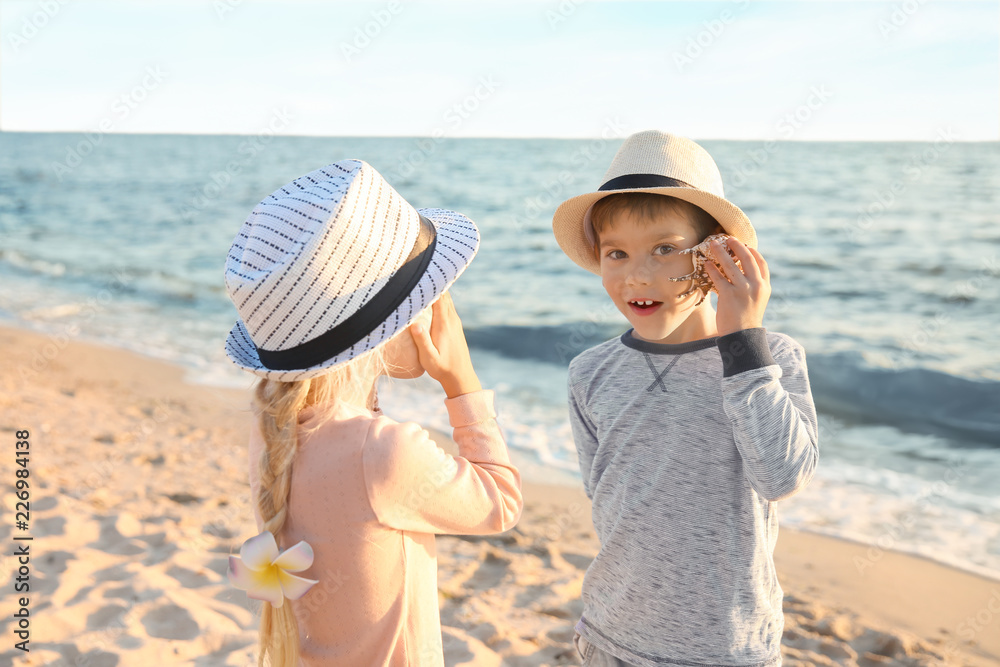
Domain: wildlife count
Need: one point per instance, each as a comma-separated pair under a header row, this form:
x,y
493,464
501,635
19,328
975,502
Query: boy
x,y
689,427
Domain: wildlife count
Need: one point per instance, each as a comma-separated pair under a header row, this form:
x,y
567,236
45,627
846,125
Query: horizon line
x,y
439,138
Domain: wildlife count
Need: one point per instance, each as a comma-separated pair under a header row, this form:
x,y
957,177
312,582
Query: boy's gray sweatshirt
x,y
684,450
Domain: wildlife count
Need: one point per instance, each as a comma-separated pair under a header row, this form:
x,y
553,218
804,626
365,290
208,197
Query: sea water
x,y
885,262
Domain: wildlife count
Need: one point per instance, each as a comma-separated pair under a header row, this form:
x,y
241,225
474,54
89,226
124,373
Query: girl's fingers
x,y
450,316
426,349
443,310
436,314
444,323
419,332
444,302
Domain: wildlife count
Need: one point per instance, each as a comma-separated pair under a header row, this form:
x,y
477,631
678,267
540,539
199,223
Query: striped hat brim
x,y
456,246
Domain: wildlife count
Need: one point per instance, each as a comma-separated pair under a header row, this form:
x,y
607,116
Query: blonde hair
x,y
647,206
277,405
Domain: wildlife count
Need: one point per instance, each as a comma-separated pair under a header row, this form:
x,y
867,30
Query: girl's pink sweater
x,y
369,494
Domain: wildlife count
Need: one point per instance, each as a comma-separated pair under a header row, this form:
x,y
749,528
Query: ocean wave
x,y
911,399
553,344
36,265
151,284
918,400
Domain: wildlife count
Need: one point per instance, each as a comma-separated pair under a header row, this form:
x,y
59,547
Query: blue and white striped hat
x,y
334,264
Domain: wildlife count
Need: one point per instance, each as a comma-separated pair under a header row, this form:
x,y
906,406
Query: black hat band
x,y
363,321
633,181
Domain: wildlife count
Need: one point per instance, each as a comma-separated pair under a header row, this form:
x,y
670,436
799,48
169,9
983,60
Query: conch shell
x,y
699,276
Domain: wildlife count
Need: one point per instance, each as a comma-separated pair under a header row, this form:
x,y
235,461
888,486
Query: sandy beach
x,y
139,494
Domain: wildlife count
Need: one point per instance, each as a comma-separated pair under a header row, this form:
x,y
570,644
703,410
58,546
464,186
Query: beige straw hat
x,y
651,161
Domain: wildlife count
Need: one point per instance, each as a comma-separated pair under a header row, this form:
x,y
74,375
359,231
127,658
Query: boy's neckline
x,y
667,348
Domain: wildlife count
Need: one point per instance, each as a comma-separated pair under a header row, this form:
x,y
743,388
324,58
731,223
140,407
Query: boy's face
x,y
637,258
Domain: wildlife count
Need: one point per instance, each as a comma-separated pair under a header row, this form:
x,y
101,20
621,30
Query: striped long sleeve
x,y
684,450
768,400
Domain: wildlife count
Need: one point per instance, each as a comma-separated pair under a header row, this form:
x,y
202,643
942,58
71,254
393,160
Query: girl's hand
x,y
443,351
743,294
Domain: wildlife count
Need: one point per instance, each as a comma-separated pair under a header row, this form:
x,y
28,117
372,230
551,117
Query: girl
x,y
338,281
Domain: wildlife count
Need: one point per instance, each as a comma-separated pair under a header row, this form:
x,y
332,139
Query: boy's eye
x,y
663,249
616,254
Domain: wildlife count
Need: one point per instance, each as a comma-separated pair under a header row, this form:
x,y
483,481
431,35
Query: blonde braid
x,y
277,405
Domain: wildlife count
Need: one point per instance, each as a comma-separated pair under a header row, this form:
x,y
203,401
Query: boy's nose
x,y
638,274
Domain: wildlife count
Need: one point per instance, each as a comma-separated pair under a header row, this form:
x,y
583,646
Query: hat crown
x,y
665,154
659,163
314,251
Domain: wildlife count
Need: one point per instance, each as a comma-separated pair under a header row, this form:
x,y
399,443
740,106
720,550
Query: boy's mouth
x,y
644,306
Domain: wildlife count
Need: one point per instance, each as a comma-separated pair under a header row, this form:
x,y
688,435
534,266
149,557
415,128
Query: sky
x,y
736,69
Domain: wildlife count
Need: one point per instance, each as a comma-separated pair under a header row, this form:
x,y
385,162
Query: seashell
x,y
699,277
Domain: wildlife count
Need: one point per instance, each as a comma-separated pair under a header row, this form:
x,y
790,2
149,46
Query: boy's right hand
x,y
443,351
